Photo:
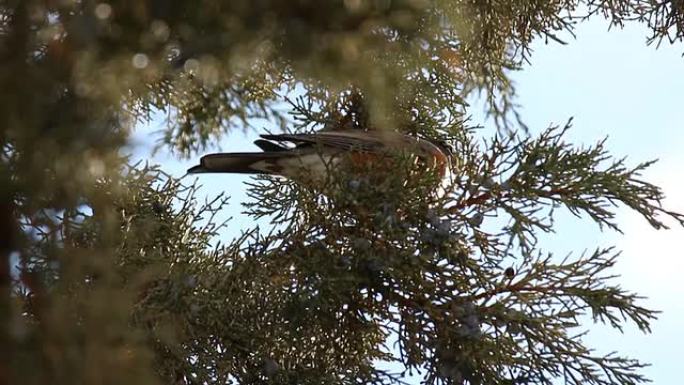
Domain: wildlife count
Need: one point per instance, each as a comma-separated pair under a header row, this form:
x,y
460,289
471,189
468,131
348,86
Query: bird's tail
x,y
240,163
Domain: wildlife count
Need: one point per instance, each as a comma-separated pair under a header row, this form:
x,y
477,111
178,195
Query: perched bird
x,y
312,154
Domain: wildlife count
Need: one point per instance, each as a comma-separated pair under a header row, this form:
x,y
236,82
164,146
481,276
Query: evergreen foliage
x,y
117,273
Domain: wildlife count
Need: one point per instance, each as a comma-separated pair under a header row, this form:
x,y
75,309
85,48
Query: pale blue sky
x,y
616,86
613,85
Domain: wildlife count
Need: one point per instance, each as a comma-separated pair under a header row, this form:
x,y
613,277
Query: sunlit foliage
x,y
118,273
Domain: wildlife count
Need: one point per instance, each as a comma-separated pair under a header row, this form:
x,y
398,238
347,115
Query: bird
x,y
311,154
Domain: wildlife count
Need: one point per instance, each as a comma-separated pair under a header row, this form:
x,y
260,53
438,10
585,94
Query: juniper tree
x,y
116,273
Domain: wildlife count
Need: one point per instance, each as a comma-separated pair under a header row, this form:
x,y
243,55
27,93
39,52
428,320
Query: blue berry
x,y
476,220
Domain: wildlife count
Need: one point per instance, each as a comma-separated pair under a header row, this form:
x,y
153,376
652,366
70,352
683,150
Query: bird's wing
x,y
343,140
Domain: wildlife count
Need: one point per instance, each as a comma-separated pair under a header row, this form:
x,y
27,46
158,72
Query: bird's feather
x,y
267,146
241,163
343,140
